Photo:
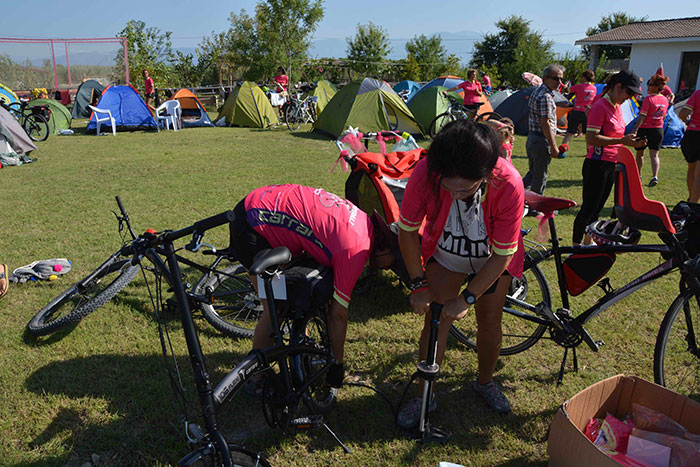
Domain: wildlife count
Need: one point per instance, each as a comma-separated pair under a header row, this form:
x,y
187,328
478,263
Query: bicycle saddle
x,y
270,259
545,203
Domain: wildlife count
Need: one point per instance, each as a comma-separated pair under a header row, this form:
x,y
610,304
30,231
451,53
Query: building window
x,y
690,64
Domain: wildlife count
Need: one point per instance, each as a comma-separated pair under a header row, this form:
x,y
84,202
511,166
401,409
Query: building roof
x,y
642,31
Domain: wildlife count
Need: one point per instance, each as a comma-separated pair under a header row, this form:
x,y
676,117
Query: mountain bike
x,y
298,110
457,111
527,317
34,120
224,293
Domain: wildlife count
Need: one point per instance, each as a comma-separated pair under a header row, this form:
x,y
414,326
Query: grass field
x,y
102,388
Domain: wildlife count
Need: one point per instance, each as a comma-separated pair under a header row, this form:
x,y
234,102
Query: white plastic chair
x,y
171,114
104,115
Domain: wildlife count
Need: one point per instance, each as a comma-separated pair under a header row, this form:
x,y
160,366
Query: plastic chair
x,y
104,115
171,114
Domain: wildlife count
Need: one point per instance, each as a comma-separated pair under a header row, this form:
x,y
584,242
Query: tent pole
x,y
53,58
67,64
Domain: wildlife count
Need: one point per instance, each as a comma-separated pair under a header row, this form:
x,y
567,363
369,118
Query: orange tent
x,y
193,111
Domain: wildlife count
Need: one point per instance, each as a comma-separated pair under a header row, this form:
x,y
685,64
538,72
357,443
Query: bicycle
x,y
457,111
527,318
224,295
294,394
34,121
298,111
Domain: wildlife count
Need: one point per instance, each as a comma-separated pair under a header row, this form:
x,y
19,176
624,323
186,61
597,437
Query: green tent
x,y
325,91
248,106
367,104
60,116
427,105
89,92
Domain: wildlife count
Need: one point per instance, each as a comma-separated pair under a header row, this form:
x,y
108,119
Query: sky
x,y
189,20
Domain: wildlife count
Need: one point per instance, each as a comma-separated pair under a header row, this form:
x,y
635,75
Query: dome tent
x,y
324,91
88,92
193,111
60,116
248,106
128,109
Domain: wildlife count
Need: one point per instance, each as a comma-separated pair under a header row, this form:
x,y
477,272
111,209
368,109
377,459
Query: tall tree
x,y
608,22
368,49
149,48
513,50
430,55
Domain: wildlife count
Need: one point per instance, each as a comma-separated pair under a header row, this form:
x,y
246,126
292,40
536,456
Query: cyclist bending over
x,y
330,229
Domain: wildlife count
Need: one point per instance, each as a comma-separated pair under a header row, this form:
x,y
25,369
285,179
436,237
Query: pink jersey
x,y
502,203
471,91
605,118
282,82
486,80
654,108
585,93
149,85
327,227
694,104
666,91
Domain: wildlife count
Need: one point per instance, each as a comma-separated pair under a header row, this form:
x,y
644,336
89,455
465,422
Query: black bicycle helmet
x,y
613,232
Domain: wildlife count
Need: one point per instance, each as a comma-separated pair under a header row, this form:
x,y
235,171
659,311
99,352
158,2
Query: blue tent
x,y
673,129
448,81
408,86
127,107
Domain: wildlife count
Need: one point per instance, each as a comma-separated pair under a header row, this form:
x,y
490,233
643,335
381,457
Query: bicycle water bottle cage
x,y
268,261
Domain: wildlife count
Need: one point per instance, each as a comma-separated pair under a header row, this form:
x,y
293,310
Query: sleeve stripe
x,y
338,299
509,244
689,107
505,252
407,228
592,128
409,223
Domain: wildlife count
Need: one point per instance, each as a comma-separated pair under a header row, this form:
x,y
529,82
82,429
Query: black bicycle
x,y
34,120
457,111
224,293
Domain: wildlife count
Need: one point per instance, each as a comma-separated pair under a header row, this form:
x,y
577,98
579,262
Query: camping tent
x,y
248,106
14,134
498,97
60,115
516,108
407,86
7,95
325,91
193,111
88,92
367,104
127,107
446,81
673,129
428,105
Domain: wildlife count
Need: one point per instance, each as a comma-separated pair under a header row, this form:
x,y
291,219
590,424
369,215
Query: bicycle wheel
x,y
309,366
487,116
439,122
676,355
236,309
518,334
36,127
83,297
293,118
208,456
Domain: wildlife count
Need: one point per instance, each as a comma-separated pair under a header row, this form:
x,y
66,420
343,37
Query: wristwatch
x,y
416,283
469,297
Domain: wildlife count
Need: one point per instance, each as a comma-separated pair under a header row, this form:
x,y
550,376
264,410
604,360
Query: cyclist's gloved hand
x,y
335,375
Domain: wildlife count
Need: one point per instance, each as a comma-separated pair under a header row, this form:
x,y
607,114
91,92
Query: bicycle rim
x,y
313,366
36,127
438,123
488,116
518,334
292,117
676,356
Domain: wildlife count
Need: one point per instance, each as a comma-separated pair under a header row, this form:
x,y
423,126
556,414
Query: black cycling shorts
x,y
654,137
576,118
245,241
690,146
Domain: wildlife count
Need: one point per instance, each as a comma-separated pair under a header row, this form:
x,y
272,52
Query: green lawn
x,y
101,387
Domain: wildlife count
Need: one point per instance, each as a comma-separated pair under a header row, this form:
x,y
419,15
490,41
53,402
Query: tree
x,y
411,69
608,22
367,51
429,54
149,48
513,50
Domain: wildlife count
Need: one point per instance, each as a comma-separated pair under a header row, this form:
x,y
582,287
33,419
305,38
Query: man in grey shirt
x,y
542,127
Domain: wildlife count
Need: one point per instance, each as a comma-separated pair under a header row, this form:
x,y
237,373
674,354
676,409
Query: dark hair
x,y
611,82
463,149
658,80
281,68
588,75
471,72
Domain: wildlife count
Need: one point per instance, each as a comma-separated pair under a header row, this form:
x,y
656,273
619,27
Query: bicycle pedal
x,y
308,422
599,343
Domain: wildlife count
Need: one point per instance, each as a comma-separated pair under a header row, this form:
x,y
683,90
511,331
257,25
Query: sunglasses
x,y
558,79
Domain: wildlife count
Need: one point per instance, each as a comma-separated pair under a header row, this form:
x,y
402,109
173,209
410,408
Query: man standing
x,y
542,127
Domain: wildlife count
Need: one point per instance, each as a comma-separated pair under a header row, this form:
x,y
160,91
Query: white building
x,y
673,42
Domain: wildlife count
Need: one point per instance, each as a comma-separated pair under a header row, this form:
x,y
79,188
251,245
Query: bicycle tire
x,y
208,456
88,294
439,122
487,116
292,118
237,314
518,334
676,354
36,127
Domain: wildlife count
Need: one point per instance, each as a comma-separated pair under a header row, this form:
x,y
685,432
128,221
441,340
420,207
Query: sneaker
x,y
654,181
493,396
409,416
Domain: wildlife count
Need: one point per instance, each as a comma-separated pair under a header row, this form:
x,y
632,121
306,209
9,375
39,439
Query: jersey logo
x,y
261,217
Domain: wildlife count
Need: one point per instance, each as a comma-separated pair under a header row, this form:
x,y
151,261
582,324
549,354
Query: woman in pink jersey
x,y
585,92
650,125
605,135
332,230
690,145
471,201
472,91
149,88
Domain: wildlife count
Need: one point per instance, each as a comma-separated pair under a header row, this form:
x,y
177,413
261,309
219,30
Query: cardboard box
x,y
567,445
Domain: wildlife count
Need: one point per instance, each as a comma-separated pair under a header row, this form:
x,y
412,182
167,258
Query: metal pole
x,y
67,65
53,58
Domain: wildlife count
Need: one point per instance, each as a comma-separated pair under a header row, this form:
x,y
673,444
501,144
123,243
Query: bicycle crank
x,y
570,335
